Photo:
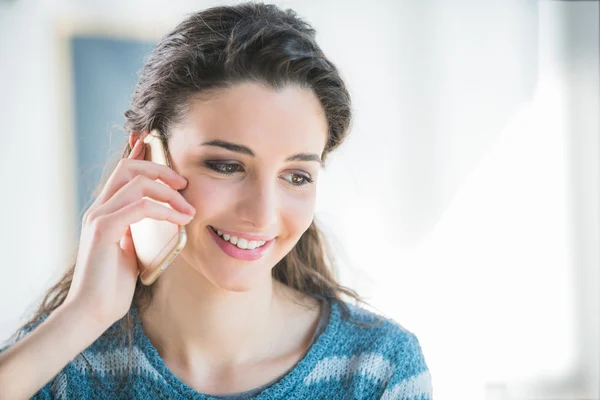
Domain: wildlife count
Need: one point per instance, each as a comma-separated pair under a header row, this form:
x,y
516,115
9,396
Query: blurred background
x,y
464,204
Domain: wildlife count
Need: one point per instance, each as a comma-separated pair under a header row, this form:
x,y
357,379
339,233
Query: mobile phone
x,y
157,243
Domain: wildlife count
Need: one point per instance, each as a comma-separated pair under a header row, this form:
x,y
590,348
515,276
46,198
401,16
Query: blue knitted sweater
x,y
345,361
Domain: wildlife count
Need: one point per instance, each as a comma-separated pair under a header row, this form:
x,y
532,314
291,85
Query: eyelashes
x,y
234,168
224,168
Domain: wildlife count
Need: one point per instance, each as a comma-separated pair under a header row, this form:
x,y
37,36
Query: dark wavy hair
x,y
212,50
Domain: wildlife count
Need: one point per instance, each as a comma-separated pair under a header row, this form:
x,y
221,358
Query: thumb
x,y
126,244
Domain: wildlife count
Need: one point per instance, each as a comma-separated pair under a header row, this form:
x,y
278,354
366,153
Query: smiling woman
x,y
248,107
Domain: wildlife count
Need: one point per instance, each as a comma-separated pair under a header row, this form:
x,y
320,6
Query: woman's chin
x,y
235,281
232,275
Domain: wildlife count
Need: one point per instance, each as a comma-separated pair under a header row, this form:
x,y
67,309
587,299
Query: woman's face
x,y
252,158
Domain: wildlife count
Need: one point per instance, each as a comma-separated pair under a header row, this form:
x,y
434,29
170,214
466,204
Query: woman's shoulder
x,y
373,328
382,348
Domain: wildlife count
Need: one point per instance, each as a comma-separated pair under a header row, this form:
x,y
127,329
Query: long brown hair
x,y
213,50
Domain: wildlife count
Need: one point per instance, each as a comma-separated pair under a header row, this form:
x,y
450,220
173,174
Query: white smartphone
x,y
157,243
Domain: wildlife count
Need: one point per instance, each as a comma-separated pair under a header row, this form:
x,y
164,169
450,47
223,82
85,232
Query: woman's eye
x,y
224,168
232,168
298,179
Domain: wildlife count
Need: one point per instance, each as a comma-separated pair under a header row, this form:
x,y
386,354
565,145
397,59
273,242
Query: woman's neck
x,y
203,329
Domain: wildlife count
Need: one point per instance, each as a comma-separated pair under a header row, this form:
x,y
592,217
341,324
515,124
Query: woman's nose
x,y
258,205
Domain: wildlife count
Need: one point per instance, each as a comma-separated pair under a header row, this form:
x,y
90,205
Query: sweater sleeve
x,y
411,379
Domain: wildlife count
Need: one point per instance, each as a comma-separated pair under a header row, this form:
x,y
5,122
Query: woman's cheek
x,y
207,195
299,209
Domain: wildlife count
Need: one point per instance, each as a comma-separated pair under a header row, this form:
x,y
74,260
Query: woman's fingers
x,y
142,186
134,165
138,150
133,193
129,169
111,227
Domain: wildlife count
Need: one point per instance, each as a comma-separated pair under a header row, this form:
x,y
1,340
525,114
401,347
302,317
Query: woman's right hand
x,y
106,270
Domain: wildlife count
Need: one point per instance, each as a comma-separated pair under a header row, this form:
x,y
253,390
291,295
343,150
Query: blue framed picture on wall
x,y
104,73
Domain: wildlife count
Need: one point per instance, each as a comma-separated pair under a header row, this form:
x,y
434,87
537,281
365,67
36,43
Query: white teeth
x,y
241,242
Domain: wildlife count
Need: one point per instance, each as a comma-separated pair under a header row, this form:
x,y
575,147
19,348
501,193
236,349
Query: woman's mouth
x,y
239,248
240,242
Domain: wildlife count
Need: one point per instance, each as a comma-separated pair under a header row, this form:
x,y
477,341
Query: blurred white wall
x,y
464,204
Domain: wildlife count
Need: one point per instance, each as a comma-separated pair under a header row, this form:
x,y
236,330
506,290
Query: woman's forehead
x,y
257,116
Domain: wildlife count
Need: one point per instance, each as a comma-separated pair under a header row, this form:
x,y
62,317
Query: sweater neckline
x,y
287,382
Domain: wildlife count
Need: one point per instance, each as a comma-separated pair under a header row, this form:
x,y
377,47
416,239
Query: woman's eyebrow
x,y
238,148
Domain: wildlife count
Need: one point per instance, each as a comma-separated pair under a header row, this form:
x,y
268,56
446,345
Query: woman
x,y
249,107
